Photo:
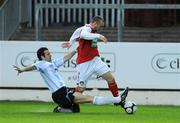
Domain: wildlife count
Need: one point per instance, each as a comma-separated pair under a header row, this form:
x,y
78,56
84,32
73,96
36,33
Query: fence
x,y
84,10
78,11
69,11
12,12
8,19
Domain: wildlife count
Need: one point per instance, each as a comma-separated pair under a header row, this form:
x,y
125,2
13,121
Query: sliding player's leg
x,y
97,100
64,99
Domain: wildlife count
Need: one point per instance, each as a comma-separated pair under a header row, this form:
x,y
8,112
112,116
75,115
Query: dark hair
x,y
97,19
40,52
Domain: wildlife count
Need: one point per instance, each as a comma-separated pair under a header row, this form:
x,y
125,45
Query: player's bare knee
x,y
110,79
81,89
81,86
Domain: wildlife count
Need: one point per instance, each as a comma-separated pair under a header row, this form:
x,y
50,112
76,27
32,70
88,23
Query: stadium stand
x,y
131,34
137,28
1,2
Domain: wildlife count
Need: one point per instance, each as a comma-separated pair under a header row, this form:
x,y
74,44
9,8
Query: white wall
x,y
137,65
1,52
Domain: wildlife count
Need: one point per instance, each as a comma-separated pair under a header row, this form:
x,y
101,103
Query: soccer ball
x,y
130,107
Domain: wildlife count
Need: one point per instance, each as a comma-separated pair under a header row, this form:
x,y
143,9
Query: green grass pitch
x,y
41,112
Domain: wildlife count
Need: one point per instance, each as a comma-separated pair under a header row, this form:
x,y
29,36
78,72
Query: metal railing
x,y
112,12
9,18
79,12
12,13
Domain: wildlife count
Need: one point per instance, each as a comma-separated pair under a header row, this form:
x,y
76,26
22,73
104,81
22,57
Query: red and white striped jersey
x,y
85,35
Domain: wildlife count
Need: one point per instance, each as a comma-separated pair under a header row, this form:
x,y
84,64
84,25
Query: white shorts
x,y
87,69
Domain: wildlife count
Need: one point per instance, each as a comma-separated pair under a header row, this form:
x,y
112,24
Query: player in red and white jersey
x,y
88,60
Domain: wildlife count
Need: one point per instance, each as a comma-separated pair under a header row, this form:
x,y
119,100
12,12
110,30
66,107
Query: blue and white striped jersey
x,y
50,74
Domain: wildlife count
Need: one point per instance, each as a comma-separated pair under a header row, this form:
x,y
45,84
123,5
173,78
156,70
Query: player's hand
x,y
66,45
17,69
103,38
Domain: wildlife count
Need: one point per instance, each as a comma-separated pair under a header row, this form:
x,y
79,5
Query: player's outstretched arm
x,y
69,55
20,70
88,35
103,38
66,45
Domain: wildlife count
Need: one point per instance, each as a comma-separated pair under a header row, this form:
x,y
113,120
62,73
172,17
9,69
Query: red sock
x,y
113,88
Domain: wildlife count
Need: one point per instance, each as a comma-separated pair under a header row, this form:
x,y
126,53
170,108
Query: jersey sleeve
x,y
86,33
58,62
75,36
38,65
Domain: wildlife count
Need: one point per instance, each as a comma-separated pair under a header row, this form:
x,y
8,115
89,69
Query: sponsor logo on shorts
x,y
110,60
81,83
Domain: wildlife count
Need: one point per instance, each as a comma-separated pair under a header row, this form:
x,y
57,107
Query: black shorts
x,y
63,97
